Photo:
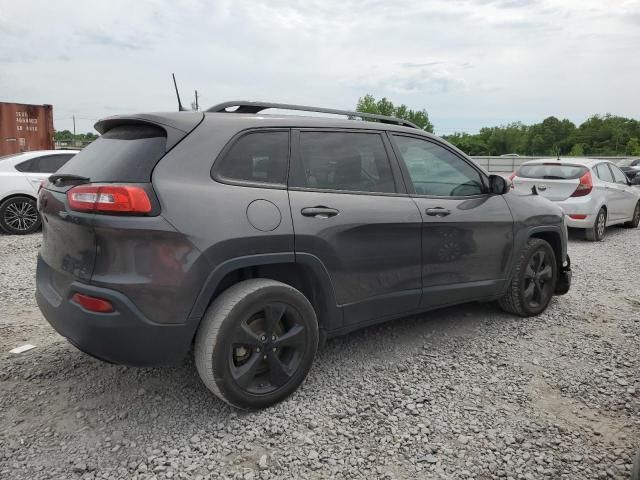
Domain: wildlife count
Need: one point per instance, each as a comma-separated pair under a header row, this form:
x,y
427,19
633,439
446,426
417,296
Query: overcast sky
x,y
470,63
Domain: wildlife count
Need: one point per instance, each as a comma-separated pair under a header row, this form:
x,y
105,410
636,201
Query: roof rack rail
x,y
244,106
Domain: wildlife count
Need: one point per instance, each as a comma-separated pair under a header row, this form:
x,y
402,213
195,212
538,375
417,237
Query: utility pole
x,y
74,129
197,101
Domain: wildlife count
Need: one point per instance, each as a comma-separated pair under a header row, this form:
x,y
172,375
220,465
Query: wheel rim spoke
x,y
278,372
295,336
245,336
273,313
545,273
529,291
245,373
529,273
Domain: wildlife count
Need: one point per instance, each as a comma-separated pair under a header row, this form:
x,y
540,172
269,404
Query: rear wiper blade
x,y
59,179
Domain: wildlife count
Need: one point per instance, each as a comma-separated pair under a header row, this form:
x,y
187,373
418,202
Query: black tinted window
x,y
604,173
127,153
436,171
259,157
44,164
551,171
343,161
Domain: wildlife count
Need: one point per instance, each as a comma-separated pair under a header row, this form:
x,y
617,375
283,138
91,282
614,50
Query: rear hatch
x,y
124,155
554,180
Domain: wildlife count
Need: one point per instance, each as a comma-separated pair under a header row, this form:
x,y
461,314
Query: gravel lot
x,y
465,392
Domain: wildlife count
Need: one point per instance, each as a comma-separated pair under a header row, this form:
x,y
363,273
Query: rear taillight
x,y
93,304
102,198
577,216
585,186
512,176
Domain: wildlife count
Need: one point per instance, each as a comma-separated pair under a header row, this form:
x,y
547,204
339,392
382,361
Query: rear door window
x,y
603,173
257,157
343,161
551,171
126,153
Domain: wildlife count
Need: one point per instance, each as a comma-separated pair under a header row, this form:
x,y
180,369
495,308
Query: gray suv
x,y
252,238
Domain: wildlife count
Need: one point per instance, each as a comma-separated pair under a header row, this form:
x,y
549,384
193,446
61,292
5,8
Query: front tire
x,y
533,281
597,232
19,216
256,343
635,220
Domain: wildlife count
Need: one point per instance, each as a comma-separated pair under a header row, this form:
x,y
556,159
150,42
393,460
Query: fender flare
x,y
331,311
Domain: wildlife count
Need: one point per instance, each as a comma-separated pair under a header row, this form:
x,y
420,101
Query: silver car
x,y
594,194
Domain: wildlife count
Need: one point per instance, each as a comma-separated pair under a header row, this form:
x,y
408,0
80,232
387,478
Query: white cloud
x,y
468,62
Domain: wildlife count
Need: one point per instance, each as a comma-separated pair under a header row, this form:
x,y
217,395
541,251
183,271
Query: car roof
x,y
247,120
585,162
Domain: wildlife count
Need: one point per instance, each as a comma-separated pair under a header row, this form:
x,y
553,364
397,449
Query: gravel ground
x,y
465,392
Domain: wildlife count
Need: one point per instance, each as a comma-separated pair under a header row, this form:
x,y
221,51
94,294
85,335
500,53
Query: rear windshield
x,y
126,153
551,171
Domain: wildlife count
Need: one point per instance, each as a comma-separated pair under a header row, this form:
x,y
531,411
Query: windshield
x,y
551,171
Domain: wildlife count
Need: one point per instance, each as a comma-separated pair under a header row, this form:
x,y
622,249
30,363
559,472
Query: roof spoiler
x,y
243,106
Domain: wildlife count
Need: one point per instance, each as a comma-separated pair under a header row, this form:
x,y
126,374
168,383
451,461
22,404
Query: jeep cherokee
x,y
255,237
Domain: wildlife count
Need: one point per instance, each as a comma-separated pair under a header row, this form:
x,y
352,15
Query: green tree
x,y
384,106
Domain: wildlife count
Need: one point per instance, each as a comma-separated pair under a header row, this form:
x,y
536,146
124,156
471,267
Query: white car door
x,y
40,168
608,190
626,196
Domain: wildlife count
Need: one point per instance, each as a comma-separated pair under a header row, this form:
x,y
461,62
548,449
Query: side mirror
x,y
498,185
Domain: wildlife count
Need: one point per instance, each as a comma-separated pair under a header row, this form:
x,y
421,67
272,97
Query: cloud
x,y
470,63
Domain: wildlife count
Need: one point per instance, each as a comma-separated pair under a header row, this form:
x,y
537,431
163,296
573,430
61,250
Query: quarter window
x,y
436,171
258,157
350,161
604,173
618,176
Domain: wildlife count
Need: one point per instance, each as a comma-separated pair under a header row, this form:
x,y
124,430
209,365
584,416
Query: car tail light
x,y
585,186
577,216
512,176
109,199
93,304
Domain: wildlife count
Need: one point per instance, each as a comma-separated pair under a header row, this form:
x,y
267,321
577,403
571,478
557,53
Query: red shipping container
x,y
25,127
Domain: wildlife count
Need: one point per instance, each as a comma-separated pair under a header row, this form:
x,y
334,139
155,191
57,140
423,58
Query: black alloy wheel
x,y
267,348
538,287
256,343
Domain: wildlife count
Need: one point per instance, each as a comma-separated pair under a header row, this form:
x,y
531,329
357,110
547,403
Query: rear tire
x,y
19,216
597,232
256,343
635,221
533,281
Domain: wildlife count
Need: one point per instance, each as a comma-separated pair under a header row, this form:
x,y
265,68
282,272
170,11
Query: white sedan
x,y
20,178
593,193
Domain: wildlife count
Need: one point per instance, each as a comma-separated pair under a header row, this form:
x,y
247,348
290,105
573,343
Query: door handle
x,y
437,212
319,212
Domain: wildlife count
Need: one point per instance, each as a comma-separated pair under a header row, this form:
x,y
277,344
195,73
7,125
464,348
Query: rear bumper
x,y
586,206
124,336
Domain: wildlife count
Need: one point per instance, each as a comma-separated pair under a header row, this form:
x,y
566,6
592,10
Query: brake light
x,y
93,304
109,199
585,186
512,176
577,216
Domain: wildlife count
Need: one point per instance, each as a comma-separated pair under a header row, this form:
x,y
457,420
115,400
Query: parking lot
x,y
465,392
